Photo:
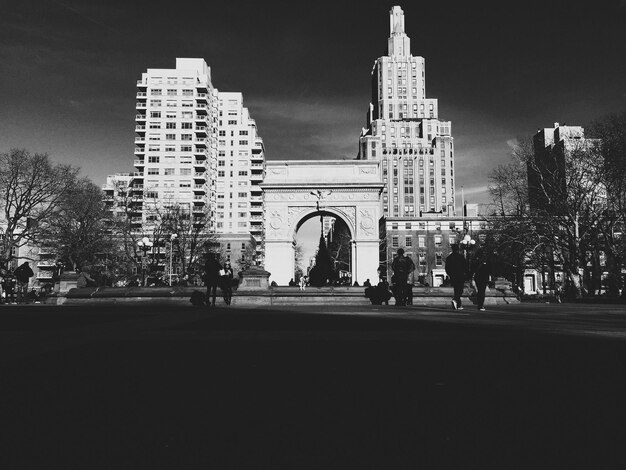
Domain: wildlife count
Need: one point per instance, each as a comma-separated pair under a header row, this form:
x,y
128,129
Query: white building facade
x,y
404,132
197,148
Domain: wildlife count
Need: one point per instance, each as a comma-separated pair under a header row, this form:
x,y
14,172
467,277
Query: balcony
x,y
201,130
140,128
198,199
199,187
256,217
139,139
140,150
142,94
200,117
201,108
141,106
139,163
140,117
199,162
137,187
256,198
257,166
199,174
137,174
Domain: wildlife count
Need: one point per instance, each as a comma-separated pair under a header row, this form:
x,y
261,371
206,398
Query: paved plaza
x,y
518,386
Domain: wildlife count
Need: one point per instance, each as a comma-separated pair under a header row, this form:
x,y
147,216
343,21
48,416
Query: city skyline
x,y
499,71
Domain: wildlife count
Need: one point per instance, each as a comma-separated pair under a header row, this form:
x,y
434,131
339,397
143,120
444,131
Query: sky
x,y
501,70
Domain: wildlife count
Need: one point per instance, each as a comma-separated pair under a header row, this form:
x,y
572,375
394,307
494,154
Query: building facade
x,y
240,170
404,132
427,241
198,149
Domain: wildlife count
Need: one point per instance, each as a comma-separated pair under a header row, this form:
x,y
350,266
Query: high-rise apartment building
x,y
197,148
404,132
240,169
175,145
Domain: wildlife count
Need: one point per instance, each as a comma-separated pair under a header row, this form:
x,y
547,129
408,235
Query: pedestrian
x,y
456,268
22,275
367,283
292,283
227,282
402,266
84,279
302,283
482,272
212,269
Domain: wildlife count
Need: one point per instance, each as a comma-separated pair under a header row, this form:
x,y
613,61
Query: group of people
x,y
456,268
14,285
216,275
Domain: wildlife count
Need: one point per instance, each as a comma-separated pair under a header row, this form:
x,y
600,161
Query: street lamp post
x,y
173,237
144,245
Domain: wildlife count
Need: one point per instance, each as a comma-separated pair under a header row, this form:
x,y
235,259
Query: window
x,y
153,171
185,148
243,173
187,92
232,122
170,125
186,125
394,241
422,259
243,142
170,136
155,114
153,159
171,92
438,259
422,241
185,171
155,92
185,136
243,132
408,241
437,241
242,194
242,214
168,171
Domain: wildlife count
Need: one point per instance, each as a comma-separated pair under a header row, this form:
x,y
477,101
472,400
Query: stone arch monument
x,y
294,190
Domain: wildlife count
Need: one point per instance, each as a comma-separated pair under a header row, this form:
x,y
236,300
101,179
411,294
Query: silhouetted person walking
x,y
456,268
481,278
227,283
212,269
23,273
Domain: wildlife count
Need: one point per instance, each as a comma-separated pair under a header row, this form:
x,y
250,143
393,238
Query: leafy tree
x,y
322,272
33,189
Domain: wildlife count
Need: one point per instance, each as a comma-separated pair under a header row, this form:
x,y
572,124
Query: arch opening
x,y
323,230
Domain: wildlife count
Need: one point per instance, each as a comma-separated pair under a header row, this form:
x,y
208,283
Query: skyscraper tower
x,y
404,132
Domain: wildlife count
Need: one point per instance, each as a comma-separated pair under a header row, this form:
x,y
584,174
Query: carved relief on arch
x,y
366,221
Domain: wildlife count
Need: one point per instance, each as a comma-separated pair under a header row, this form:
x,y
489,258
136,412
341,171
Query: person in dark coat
x,y
456,268
402,266
482,271
227,283
212,269
22,274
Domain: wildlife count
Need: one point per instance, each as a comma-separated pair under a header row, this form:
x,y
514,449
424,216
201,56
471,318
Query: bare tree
x,y
32,188
77,229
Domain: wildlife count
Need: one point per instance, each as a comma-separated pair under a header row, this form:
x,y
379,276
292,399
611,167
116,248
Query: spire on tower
x,y
399,43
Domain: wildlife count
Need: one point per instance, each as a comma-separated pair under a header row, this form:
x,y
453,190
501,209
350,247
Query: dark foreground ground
x,y
516,387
